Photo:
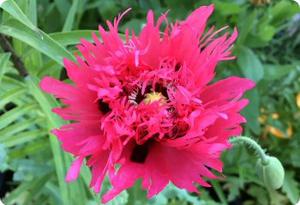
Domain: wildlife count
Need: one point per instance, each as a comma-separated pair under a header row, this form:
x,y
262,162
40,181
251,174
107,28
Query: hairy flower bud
x,y
270,172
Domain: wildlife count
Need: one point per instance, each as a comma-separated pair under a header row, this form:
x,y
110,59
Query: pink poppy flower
x,y
144,107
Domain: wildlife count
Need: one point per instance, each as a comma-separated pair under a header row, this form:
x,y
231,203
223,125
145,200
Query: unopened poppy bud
x,y
270,172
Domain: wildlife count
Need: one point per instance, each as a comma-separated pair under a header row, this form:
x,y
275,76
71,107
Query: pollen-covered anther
x,y
154,96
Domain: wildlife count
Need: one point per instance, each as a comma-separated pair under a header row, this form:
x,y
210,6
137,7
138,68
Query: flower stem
x,y
252,144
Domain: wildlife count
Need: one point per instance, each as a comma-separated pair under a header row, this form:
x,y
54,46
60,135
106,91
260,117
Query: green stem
x,y
252,144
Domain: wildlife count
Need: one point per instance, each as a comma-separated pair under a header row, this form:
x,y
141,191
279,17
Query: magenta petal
x,y
74,170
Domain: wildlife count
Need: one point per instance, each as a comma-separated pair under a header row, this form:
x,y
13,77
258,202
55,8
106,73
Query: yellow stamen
x,y
154,96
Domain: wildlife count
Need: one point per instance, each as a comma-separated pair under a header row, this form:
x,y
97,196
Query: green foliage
x,y
43,32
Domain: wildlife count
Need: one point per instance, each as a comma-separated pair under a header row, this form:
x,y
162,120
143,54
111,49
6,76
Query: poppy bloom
x,y
145,108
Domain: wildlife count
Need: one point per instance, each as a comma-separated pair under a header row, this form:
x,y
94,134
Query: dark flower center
x,y
140,152
103,107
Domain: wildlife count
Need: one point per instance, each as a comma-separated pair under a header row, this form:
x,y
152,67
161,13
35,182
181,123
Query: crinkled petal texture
x,y
145,108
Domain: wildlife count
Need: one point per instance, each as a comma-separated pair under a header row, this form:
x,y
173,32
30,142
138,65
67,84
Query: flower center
x,y
150,95
154,96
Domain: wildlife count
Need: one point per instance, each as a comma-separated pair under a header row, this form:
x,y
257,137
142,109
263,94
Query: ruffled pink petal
x,y
58,88
197,19
99,164
74,170
231,88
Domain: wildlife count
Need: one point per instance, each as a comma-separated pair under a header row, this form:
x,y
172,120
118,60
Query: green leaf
x,y
32,11
10,95
3,158
260,194
275,72
36,148
16,127
246,26
282,11
219,191
72,37
31,35
266,33
53,191
250,64
4,59
46,105
291,187
24,191
63,7
71,16
251,111
277,198
13,9
40,41
14,114
121,199
226,8
23,137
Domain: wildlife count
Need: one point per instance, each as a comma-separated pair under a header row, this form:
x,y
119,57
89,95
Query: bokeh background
x,y
37,34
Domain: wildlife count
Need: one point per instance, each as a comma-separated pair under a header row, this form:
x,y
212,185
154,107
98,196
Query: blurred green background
x,y
42,32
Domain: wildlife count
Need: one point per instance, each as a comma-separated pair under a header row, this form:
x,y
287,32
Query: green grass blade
x,y
14,114
36,148
63,7
25,191
10,95
40,41
22,137
72,37
4,59
9,131
46,105
13,9
32,11
71,16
